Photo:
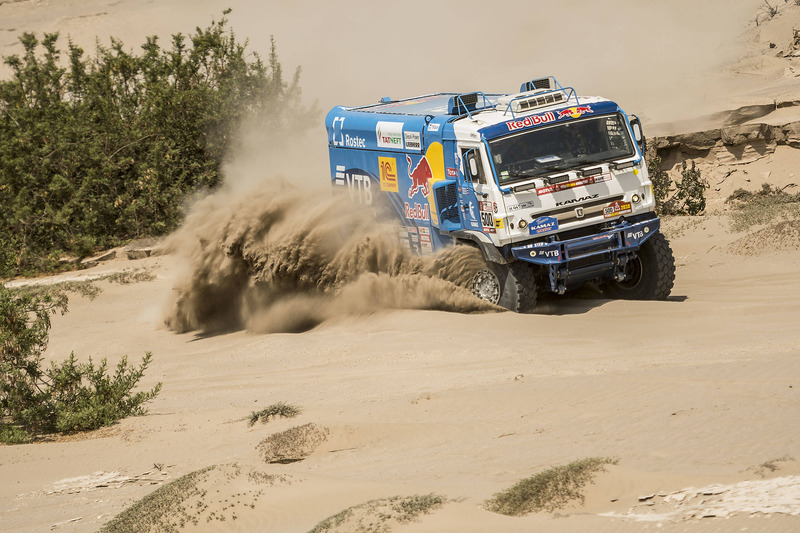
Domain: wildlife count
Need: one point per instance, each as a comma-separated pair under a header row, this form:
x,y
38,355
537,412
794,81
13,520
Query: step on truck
x,y
552,187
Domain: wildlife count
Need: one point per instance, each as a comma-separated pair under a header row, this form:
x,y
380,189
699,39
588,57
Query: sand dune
x,y
697,396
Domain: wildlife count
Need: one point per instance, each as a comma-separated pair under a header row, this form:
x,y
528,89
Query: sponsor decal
x,y
553,254
575,112
615,209
337,137
577,200
451,172
494,207
498,223
425,243
523,205
533,120
355,142
419,176
487,220
566,185
417,212
357,182
388,173
433,127
389,135
471,208
413,140
543,225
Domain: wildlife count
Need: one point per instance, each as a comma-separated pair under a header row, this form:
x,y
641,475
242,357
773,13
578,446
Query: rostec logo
x,y
337,136
533,120
389,135
354,142
419,176
388,172
575,112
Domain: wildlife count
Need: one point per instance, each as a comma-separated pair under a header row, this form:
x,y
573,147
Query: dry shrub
x,y
548,490
376,516
294,444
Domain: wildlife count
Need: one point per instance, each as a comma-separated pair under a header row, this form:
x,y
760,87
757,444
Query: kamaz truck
x,y
550,186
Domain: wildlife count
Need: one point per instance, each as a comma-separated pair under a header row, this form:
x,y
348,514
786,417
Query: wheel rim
x,y
635,277
486,286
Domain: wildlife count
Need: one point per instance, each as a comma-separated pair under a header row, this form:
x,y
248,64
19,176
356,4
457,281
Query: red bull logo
x,y
419,176
575,112
533,120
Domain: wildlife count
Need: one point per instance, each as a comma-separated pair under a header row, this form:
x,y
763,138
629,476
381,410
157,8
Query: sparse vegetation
x,y
377,516
768,467
127,277
279,409
162,510
762,207
294,444
96,151
66,397
548,490
684,197
216,493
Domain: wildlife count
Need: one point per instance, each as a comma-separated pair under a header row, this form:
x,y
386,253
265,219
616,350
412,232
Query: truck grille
x,y
592,209
447,202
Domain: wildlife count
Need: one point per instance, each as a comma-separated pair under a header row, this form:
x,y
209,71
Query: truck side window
x,y
473,166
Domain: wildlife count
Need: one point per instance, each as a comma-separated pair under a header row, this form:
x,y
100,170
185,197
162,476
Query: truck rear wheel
x,y
511,286
651,275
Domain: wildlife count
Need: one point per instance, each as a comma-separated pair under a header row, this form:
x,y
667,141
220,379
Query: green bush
x,y
66,397
280,409
106,149
686,197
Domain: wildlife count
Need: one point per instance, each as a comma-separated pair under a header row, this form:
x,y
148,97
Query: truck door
x,y
478,181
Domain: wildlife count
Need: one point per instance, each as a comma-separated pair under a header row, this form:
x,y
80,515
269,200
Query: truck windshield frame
x,y
561,147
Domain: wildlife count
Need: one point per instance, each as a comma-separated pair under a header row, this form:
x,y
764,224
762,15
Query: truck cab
x,y
552,187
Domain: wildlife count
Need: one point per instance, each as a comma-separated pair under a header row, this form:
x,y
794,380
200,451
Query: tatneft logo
x,y
389,135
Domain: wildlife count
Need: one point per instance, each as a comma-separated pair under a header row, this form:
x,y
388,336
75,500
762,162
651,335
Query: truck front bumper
x,y
602,256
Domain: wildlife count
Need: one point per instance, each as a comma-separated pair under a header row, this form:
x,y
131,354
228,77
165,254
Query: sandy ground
x,y
697,396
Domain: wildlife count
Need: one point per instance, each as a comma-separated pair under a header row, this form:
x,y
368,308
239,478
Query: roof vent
x,y
468,103
533,102
537,85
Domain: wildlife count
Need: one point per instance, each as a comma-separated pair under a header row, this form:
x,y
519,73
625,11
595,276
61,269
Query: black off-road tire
x,y
652,273
511,286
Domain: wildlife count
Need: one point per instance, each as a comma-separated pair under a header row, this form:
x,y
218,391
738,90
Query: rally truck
x,y
550,186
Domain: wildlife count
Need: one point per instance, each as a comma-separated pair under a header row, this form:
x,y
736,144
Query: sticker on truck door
x,y
487,217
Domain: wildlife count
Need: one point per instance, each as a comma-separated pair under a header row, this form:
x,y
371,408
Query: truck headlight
x,y
635,199
523,224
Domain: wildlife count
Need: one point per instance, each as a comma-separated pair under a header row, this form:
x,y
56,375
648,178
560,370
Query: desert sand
x,y
697,397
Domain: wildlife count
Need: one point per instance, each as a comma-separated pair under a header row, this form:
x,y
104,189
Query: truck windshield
x,y
560,147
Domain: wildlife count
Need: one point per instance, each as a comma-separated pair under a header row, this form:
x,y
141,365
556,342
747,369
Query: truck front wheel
x,y
651,274
511,286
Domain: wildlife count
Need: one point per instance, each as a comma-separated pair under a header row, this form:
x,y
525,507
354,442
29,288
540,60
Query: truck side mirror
x,y
638,135
474,171
473,167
